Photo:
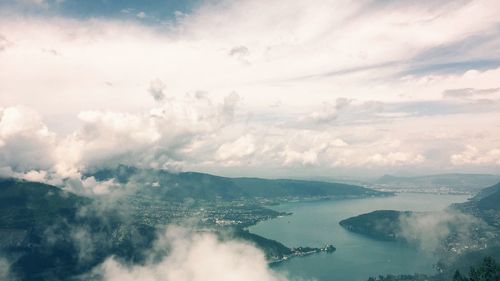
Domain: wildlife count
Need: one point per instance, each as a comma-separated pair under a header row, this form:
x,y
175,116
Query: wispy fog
x,y
430,230
195,256
5,273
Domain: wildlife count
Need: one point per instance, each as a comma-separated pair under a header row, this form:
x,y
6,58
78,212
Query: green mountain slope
x,y
50,234
489,198
380,224
179,186
46,237
24,205
485,205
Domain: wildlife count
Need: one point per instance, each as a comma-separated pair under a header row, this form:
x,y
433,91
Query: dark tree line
x,y
488,270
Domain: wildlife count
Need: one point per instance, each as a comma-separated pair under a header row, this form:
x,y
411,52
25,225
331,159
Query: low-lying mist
x,y
194,256
5,272
437,231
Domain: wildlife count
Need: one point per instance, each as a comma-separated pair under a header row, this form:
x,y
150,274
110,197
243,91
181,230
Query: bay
x,y
357,257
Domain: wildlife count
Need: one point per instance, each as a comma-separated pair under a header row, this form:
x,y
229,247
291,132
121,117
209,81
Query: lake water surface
x,y
357,257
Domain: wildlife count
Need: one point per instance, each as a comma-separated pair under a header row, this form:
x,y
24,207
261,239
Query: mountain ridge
x,y
198,185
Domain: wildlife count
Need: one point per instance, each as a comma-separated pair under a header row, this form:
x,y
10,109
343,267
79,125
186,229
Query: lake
x,y
357,257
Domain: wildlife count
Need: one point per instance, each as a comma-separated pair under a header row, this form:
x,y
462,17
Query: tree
x,y
489,270
489,267
474,274
458,277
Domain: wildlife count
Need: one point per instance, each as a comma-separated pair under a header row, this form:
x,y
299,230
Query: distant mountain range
x,y
192,185
461,183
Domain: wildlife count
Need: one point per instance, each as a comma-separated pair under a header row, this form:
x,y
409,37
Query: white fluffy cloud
x,y
327,114
429,230
157,89
237,150
471,155
195,257
302,53
359,85
25,141
395,158
198,133
164,135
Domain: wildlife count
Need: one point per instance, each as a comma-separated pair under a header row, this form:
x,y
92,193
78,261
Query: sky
x,y
329,88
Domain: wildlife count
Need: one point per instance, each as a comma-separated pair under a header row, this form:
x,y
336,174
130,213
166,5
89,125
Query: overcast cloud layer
x,y
251,88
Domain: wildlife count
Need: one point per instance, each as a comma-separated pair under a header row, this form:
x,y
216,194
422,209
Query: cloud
x,y
5,272
90,186
33,175
239,51
159,138
104,136
341,71
4,43
196,132
469,92
430,231
25,142
84,242
141,15
229,106
198,44
156,89
51,51
326,115
239,149
33,2
395,158
473,156
293,157
195,256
